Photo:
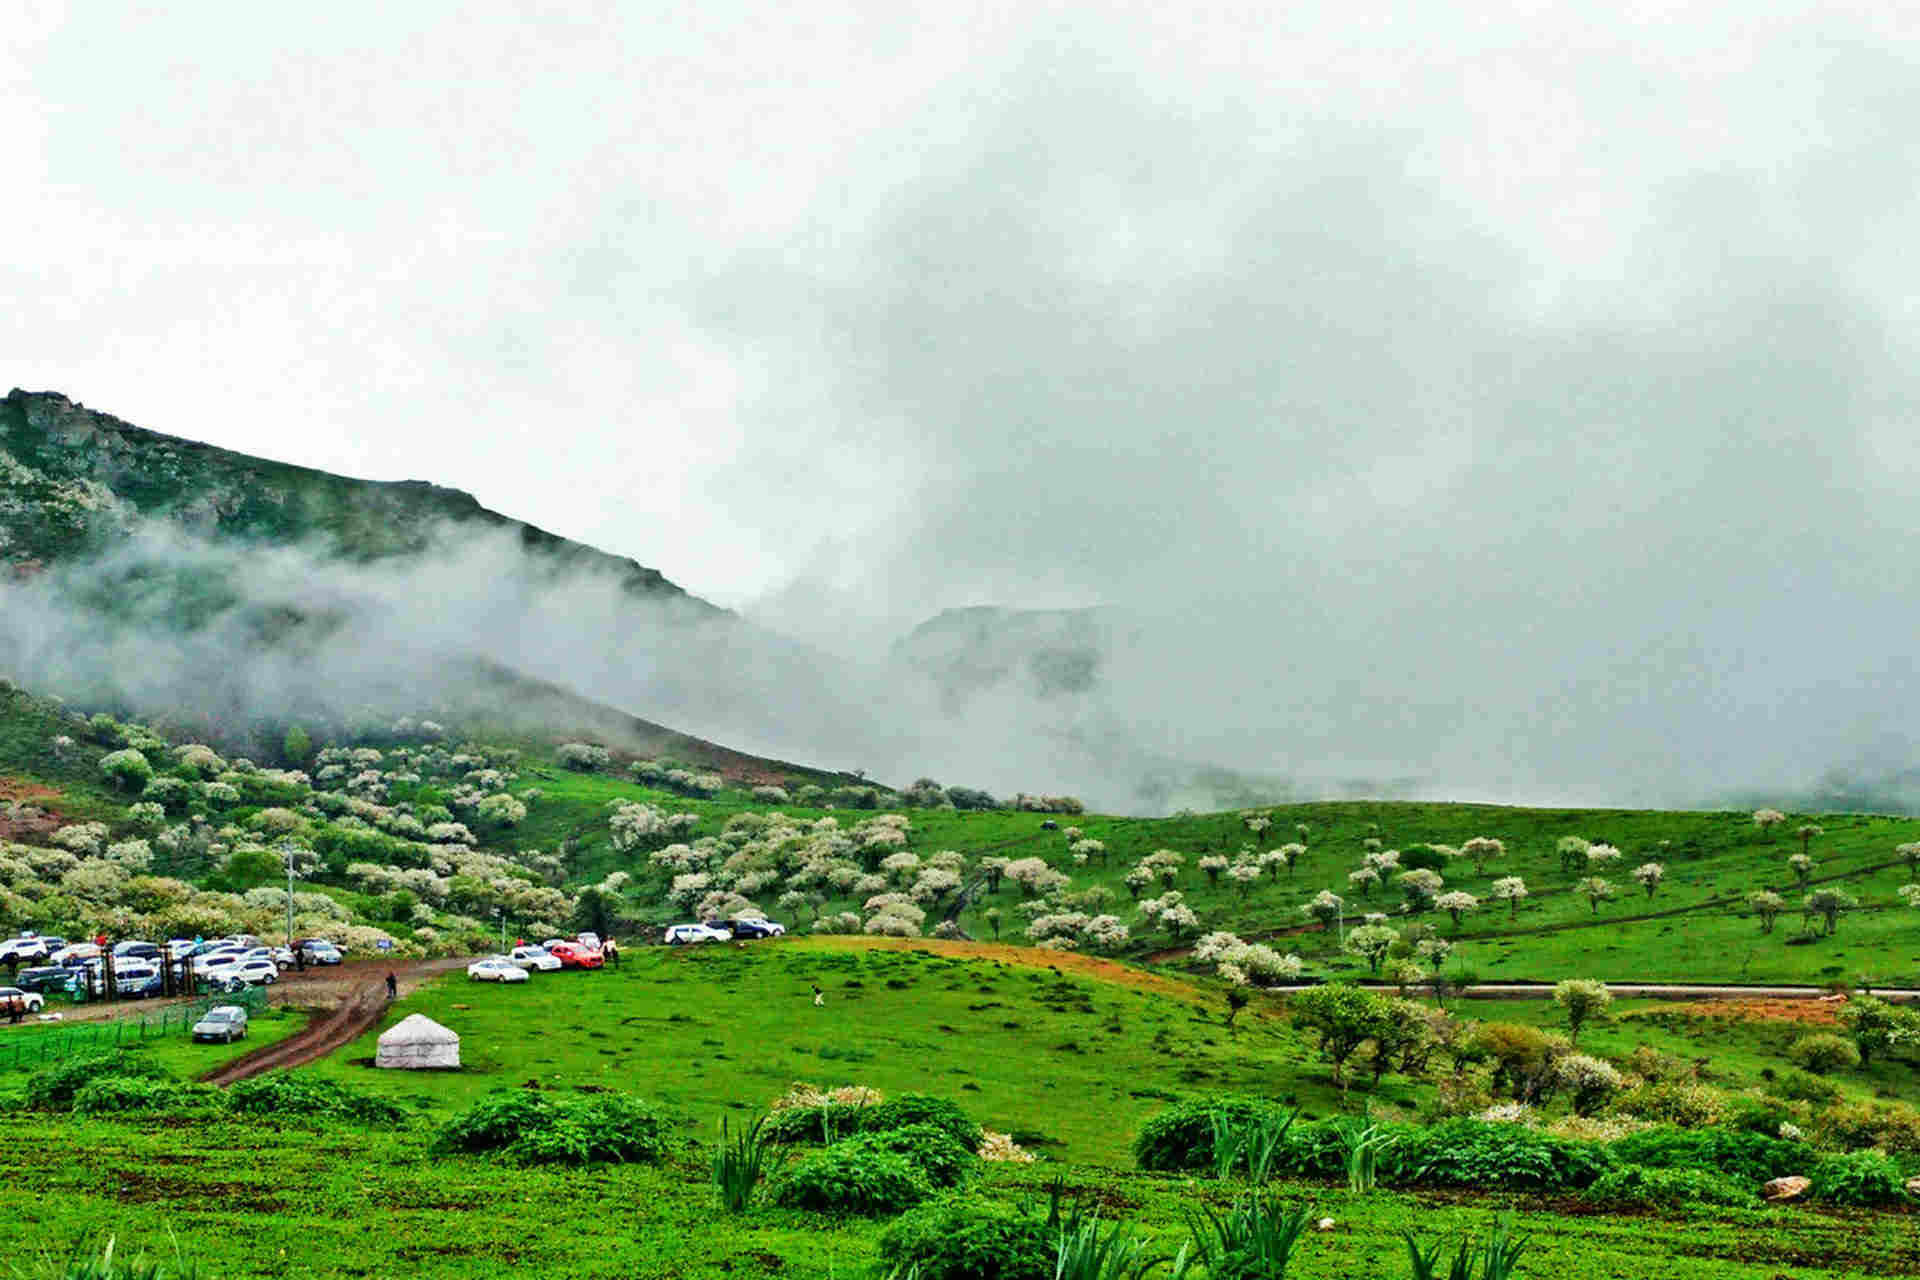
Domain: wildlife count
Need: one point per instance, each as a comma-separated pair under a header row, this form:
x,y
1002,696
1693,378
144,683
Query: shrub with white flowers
x,y
1590,1080
81,837
1213,865
1596,891
1482,849
584,756
1243,875
503,809
134,856
1768,819
1601,854
1366,880
1802,867
1371,942
146,817
1325,907
934,885
1511,890
1456,903
128,770
1911,892
634,823
771,795
1649,875
1420,886
1383,862
1034,877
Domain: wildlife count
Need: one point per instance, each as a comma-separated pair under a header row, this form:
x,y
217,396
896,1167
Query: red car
x,y
572,955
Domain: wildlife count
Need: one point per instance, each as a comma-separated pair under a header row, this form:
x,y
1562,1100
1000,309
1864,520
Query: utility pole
x,y
286,849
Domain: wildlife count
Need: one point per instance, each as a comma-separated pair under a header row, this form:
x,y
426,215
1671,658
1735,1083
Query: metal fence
x,y
46,1043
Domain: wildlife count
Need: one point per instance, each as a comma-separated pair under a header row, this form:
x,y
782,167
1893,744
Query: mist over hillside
x,y
156,574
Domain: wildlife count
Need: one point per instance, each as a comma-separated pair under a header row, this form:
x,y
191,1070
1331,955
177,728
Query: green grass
x,y
305,1199
175,1050
1072,1061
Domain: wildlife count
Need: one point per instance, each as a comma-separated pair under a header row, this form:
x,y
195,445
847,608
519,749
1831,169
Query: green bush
x,y
1318,1150
845,1178
1635,1184
1180,1139
116,1095
1865,1178
1823,1052
1852,1125
814,1126
1751,1158
497,1121
936,1153
964,1239
281,1093
1679,1102
1760,1113
53,1088
545,1128
920,1108
1803,1086
1510,1157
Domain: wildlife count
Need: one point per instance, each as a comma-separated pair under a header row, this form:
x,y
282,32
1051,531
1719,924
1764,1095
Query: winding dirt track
x,y
359,1010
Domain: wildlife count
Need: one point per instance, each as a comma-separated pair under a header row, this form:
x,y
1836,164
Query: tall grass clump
x,y
737,1162
1253,1240
1494,1260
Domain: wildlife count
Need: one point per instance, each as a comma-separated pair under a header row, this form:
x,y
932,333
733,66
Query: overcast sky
x,y
1529,373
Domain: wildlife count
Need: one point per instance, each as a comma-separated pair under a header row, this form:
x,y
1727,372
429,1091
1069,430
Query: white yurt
x,y
417,1041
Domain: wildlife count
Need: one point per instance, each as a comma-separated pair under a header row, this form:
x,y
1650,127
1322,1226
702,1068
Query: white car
x,y
75,952
226,1023
535,958
696,933
589,940
30,1001
28,946
496,969
240,969
281,957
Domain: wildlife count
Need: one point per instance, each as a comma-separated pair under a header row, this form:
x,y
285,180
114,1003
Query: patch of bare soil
x,y
1812,1013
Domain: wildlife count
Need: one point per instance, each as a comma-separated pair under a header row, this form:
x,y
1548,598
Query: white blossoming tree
x,y
1511,890
1649,875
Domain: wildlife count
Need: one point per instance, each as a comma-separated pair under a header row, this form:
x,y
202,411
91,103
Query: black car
x,y
136,951
751,928
46,978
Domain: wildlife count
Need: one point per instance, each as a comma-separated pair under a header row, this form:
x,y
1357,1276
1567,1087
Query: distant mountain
x,y
178,580
1049,653
74,480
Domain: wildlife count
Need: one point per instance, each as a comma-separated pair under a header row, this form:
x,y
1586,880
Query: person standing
x,y
393,985
819,996
612,952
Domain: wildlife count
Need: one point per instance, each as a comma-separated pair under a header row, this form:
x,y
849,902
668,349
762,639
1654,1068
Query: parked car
x,y
134,981
75,953
496,969
572,955
588,940
534,958
180,948
225,1023
319,951
754,927
256,969
135,950
680,933
281,956
31,1001
52,977
28,946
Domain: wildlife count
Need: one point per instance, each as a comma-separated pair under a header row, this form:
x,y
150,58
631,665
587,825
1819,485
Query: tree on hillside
x,y
1802,867
1364,880
1596,891
296,747
1649,875
1371,942
1573,853
1767,820
1584,1000
1910,854
1481,849
1456,904
1878,1027
1343,1017
1510,890
1768,906
1828,904
1420,887
1807,833
1325,907
1911,892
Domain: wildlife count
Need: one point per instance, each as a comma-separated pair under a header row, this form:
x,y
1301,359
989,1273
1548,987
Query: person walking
x,y
612,952
819,996
393,985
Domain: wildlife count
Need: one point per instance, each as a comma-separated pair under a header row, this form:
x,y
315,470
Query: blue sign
x,y
385,944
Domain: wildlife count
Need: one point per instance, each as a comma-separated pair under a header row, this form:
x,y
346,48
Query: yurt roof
x,y
418,1028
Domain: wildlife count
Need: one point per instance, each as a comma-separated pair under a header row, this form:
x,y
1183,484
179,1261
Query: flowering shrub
x,y
584,756
1002,1149
503,809
127,769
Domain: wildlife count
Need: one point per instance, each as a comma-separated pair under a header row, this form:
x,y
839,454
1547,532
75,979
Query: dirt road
x,y
361,991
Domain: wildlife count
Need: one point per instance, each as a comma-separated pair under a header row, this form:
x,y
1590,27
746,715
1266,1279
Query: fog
x,y
1514,405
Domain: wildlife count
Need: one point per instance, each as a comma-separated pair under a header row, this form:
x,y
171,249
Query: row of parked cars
x,y
582,952
724,930
138,967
